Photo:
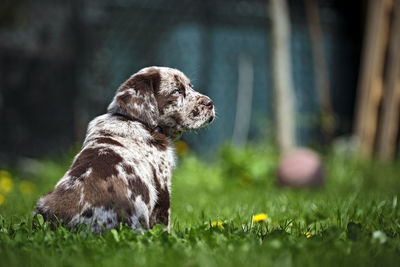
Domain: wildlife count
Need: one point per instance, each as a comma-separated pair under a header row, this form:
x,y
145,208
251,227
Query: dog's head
x,y
163,97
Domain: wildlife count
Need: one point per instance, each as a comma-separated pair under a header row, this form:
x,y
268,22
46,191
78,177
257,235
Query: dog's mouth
x,y
211,119
201,123
211,116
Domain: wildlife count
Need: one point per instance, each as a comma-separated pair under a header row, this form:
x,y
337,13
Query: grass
x,y
352,221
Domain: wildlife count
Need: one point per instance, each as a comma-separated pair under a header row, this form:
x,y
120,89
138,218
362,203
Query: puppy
x,y
123,172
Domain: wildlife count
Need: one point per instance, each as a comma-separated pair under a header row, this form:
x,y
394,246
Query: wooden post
x,y
370,81
389,123
283,82
398,112
320,70
327,122
243,100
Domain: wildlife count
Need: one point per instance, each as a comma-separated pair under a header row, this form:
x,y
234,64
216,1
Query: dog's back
x,y
114,179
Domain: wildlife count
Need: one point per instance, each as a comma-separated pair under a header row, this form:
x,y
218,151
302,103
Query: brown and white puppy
x,y
123,172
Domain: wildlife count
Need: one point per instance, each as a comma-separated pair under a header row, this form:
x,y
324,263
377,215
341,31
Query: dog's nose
x,y
207,102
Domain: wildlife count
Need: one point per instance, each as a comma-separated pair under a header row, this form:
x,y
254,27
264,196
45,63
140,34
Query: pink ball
x,y
300,167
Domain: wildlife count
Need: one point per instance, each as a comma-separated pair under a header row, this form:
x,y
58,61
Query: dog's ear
x,y
136,97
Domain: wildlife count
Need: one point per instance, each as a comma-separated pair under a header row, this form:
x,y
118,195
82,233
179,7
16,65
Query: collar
x,y
119,112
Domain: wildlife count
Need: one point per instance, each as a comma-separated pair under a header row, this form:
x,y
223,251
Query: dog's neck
x,y
172,133
119,112
157,129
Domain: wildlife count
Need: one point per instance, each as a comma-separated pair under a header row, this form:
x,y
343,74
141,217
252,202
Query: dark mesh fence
x,y
61,62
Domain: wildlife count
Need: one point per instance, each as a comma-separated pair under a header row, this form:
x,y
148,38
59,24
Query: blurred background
x,y
297,72
322,76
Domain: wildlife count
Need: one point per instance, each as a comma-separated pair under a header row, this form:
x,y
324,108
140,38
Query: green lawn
x,y
352,221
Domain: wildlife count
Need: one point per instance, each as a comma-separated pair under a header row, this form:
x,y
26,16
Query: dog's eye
x,y
175,92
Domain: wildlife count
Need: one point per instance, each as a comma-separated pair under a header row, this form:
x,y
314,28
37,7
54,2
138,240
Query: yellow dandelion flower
x,y
2,199
217,224
261,217
307,234
6,184
181,148
26,187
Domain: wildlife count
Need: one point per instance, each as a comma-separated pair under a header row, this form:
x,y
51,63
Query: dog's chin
x,y
176,131
204,123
